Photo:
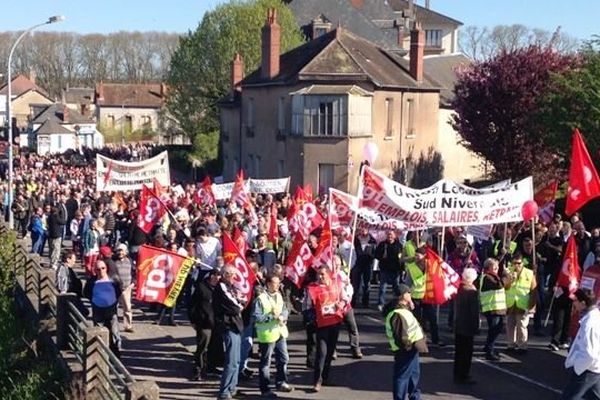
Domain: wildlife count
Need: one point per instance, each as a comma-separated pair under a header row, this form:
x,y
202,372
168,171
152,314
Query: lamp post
x,y
51,20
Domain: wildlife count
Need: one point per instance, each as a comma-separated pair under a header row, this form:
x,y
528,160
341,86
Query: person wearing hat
x,y
124,267
201,315
407,341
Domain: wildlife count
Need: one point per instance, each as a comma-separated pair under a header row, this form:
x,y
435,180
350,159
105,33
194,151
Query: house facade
x,y
24,93
309,113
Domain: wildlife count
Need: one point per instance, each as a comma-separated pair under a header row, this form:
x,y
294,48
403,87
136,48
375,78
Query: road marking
x,y
370,318
514,374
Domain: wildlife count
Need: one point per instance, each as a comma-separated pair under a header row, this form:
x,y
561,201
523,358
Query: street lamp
x,y
51,20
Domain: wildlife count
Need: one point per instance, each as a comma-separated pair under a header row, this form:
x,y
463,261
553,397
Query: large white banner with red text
x,y
161,275
113,175
445,203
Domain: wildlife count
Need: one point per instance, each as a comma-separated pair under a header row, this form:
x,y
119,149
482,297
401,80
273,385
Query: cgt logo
x,y
160,277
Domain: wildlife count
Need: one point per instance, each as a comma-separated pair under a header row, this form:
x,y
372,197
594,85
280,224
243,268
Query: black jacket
x,y
54,226
200,309
388,255
364,257
228,311
466,311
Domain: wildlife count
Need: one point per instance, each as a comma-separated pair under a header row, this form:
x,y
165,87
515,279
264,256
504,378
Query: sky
x,y
578,18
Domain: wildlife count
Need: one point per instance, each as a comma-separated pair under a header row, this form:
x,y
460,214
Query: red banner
x,y
441,281
205,195
151,210
273,230
245,276
161,275
299,261
324,252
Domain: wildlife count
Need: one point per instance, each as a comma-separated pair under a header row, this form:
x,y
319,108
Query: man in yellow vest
x,y
271,314
520,300
406,340
492,296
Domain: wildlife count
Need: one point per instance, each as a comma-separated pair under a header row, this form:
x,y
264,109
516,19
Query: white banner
x,y
114,175
222,191
446,203
483,232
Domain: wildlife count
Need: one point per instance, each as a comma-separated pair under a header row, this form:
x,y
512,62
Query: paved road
x,y
164,354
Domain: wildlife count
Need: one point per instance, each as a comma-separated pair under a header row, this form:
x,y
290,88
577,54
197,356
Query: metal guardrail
x,y
74,333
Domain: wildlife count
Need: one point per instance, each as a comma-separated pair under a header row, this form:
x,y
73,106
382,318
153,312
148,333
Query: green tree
x,y
574,102
199,74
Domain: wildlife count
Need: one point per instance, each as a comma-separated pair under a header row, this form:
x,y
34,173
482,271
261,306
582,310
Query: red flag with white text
x,y
441,281
584,184
569,274
204,194
238,192
304,216
161,275
546,200
245,276
151,210
299,261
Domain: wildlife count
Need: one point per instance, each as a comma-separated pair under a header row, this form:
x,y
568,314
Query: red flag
x,y
546,199
205,195
273,231
157,187
161,275
245,276
240,240
308,191
151,210
341,209
324,251
299,261
441,281
238,192
584,184
304,217
569,274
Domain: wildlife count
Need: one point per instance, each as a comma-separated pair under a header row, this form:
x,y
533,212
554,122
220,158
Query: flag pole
x,y
550,309
355,221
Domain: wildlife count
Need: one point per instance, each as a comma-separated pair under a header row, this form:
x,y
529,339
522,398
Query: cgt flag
x,y
204,195
161,275
151,210
324,251
299,261
584,184
441,281
546,199
569,274
304,217
245,277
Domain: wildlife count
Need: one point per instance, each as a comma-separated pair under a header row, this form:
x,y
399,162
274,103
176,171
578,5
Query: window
x,y
280,168
281,115
433,38
128,123
320,115
389,109
59,142
146,121
111,121
250,117
325,177
410,117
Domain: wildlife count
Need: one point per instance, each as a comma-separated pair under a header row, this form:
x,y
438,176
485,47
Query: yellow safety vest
x,y
518,294
512,246
491,300
411,332
416,275
271,331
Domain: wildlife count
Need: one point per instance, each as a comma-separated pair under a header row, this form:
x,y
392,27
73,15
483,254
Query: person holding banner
x,y
323,302
228,304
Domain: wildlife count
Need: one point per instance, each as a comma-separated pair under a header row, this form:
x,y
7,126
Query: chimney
x,y
358,4
237,72
417,45
271,33
65,114
32,75
100,91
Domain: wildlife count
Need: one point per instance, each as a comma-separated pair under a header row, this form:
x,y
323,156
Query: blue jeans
x,y
281,362
385,278
246,344
495,324
37,242
229,377
406,375
580,385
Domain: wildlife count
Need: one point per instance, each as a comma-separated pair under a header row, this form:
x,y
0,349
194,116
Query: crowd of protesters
x,y
55,200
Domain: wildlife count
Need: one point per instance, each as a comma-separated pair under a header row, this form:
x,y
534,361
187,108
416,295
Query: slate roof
x,y
78,95
21,84
341,56
56,113
51,127
424,15
443,69
341,12
129,95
